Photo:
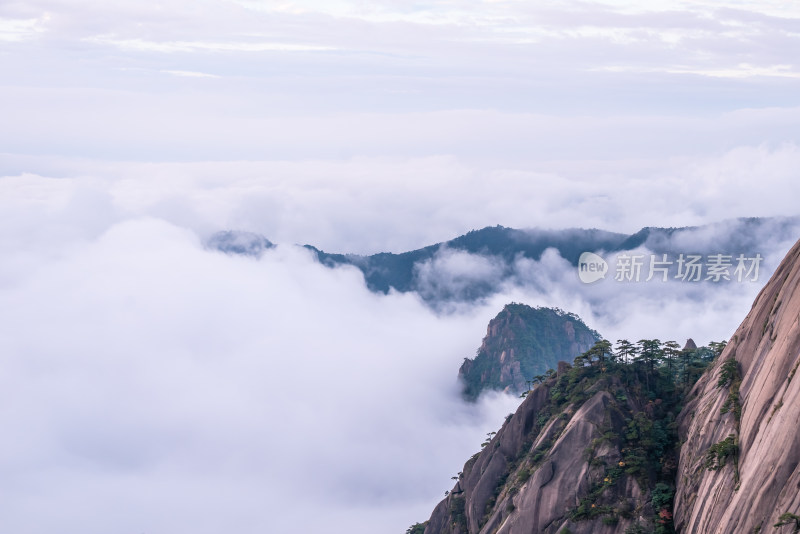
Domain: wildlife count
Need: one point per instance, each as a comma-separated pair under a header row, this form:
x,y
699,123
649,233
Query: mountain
x,y
740,465
522,342
480,263
385,271
592,449
649,438
242,243
503,247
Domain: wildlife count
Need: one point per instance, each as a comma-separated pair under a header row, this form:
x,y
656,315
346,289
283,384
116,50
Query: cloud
x,y
675,309
457,275
311,81
379,204
168,385
173,387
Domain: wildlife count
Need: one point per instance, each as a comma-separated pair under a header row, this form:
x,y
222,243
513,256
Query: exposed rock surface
x,y
766,349
556,464
522,342
738,470
551,467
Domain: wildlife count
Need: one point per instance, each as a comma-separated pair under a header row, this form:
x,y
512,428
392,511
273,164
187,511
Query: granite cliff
x,y
648,438
740,463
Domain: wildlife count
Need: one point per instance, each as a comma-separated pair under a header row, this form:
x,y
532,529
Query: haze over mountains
x,y
525,477
496,264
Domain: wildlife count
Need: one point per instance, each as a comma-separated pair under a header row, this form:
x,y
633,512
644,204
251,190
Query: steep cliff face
x,y
739,467
600,447
584,453
522,342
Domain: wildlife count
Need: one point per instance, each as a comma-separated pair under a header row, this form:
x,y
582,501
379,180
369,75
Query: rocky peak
x,y
522,342
580,455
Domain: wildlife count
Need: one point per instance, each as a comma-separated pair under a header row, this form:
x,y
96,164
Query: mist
x,y
153,384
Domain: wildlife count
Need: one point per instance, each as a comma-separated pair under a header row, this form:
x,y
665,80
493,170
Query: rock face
x,y
522,342
563,462
760,478
600,447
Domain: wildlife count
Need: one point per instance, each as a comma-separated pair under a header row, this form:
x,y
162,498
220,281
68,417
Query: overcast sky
x,y
149,385
338,122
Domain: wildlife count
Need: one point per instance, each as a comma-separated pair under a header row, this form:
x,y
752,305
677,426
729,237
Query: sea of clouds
x,y
151,384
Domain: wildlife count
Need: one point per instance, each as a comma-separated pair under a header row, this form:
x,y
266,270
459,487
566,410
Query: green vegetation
x,y
729,371
534,337
789,519
458,515
794,370
523,475
647,382
417,528
718,453
732,402
650,374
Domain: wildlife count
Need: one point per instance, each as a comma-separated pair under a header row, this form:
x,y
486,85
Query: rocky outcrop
x,y
559,463
744,484
522,342
599,447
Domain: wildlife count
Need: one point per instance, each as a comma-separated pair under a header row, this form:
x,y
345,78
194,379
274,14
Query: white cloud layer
x,y
375,204
151,385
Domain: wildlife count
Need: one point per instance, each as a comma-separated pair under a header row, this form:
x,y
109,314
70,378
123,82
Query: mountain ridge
x,y
439,272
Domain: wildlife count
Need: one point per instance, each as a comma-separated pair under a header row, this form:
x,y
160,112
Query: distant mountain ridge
x,y
438,273
385,271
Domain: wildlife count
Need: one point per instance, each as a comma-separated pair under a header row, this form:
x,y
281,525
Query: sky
x,y
151,385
